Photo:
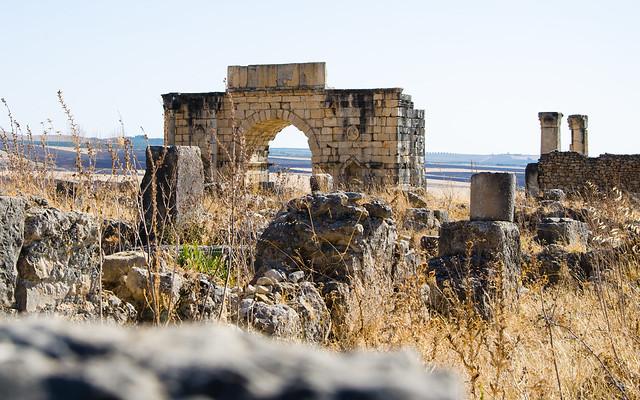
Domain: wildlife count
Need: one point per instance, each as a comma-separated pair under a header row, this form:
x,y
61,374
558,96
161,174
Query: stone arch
x,y
262,126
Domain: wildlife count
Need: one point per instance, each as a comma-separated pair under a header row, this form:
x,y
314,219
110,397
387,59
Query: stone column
x,y
550,131
493,196
176,176
578,126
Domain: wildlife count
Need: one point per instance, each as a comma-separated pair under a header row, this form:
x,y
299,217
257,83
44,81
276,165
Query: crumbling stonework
x,y
570,171
359,136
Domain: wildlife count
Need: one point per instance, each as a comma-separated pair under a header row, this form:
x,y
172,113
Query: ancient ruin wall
x,y
571,171
371,136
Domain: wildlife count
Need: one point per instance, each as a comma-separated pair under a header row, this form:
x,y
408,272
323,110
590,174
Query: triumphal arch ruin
x,y
359,136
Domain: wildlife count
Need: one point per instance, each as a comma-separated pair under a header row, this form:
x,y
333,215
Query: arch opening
x,y
279,153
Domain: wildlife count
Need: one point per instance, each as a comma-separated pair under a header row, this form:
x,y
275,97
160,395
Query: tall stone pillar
x,y
579,140
550,131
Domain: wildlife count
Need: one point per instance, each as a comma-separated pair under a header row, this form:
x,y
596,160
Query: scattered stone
x,y
296,276
563,231
140,282
321,183
554,195
277,320
45,359
262,289
12,215
115,267
422,219
274,275
264,281
59,261
493,196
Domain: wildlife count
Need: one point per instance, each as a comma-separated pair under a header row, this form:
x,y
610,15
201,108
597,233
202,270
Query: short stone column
x,y
321,183
579,140
176,175
493,196
532,187
550,131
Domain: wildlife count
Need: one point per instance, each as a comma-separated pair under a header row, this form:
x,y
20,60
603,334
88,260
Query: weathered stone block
x,y
12,215
59,261
175,174
564,231
493,196
532,188
554,195
321,183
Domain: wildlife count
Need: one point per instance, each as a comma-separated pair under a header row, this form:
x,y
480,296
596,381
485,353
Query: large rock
x,y
564,231
116,267
12,210
53,360
313,312
339,239
176,175
334,236
59,261
277,320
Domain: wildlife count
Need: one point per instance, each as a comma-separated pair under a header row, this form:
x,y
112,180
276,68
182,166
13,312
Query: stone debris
x,y
563,231
59,260
12,216
54,359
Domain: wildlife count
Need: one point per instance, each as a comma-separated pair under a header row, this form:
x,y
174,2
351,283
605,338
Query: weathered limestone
x,y
579,140
564,231
550,123
59,261
45,359
360,137
532,189
493,196
341,240
175,174
12,215
321,183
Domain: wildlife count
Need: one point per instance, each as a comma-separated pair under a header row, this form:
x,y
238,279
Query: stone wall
x,y
372,136
570,171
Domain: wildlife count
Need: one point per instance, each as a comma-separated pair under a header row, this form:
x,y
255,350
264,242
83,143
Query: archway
x,y
260,129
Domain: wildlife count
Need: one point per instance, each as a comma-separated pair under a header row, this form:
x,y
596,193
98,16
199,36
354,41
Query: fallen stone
x,y
54,360
12,216
321,183
116,267
117,236
277,320
313,312
554,195
140,284
59,261
563,231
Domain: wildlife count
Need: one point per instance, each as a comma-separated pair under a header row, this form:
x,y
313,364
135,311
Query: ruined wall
x,y
571,171
371,136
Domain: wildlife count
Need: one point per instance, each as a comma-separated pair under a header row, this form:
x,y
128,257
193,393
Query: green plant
x,y
192,257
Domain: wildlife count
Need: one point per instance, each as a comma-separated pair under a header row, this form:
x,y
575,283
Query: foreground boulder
x,y
12,211
59,261
53,360
563,231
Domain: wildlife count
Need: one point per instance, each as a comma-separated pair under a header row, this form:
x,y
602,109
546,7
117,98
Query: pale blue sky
x,y
481,69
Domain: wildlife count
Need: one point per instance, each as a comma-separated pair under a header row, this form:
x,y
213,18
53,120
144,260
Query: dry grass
x,y
570,340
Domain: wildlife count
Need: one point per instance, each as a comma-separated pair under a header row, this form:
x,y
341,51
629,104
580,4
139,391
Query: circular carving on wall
x,y
352,132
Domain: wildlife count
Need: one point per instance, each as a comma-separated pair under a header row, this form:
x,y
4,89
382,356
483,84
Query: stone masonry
x,y
570,171
371,136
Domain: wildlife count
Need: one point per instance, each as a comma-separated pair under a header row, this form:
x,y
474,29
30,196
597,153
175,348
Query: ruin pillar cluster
x,y
550,132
